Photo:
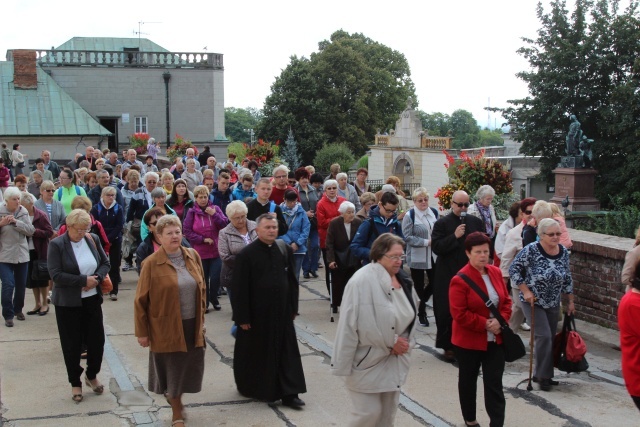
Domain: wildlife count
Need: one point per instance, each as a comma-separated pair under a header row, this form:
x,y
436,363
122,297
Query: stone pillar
x,y
578,184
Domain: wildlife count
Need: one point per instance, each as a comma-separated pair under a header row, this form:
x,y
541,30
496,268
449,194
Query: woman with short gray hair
x,y
484,210
53,208
192,176
15,228
542,273
347,190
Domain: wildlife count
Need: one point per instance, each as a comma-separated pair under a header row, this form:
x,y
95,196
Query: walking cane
x,y
531,341
328,271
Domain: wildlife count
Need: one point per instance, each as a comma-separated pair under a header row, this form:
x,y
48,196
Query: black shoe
x,y
306,275
334,309
422,319
293,402
551,381
545,384
20,316
217,307
314,274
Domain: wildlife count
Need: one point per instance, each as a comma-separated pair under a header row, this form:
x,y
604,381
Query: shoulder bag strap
x,y
486,300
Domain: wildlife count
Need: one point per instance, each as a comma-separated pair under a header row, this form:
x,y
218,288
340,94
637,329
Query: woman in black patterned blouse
x,y
541,272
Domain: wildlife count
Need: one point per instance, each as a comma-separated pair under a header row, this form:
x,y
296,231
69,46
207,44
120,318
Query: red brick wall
x,y
24,69
596,264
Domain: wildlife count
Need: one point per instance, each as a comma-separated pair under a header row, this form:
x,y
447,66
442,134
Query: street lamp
x,y
252,135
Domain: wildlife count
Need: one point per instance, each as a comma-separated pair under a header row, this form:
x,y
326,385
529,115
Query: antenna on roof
x,y
139,32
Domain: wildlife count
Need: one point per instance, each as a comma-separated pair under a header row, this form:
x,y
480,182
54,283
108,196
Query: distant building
x,y
99,91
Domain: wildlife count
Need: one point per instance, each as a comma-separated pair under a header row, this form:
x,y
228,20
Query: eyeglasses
x,y
280,176
528,212
461,205
558,234
421,200
152,182
48,191
396,258
331,188
389,210
292,182
81,230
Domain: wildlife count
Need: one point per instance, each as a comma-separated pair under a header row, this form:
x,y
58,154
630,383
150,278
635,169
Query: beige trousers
x,y
374,409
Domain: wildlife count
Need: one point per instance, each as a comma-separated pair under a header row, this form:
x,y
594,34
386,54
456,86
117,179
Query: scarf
x,y
486,218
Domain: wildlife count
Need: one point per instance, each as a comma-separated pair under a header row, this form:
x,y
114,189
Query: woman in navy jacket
x,y
476,334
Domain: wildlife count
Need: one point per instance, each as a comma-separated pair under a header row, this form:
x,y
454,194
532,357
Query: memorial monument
x,y
574,176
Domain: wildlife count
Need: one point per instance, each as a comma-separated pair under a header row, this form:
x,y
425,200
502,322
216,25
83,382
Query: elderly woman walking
x,y
38,246
541,272
172,282
52,207
484,210
78,265
375,334
15,228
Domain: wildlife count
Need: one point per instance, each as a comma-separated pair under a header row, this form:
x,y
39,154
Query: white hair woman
x,y
326,210
484,210
15,228
347,190
38,246
340,233
417,228
280,184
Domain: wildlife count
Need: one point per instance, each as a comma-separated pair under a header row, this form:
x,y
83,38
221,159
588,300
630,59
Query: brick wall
x,y
24,69
596,264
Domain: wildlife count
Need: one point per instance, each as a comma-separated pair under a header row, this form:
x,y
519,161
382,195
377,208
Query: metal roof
x,y
111,44
47,110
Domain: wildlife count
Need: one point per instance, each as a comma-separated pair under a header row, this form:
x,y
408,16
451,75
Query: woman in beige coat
x,y
375,334
169,317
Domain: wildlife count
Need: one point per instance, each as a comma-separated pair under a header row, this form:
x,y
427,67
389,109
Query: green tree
x,y
490,138
344,92
438,124
582,63
290,152
238,119
333,153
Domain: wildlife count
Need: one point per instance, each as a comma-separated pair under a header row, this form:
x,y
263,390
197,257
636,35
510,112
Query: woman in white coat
x,y
376,334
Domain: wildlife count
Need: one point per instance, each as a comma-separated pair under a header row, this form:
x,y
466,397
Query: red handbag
x,y
569,349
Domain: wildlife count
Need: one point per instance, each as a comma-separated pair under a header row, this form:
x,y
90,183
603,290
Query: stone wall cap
x,y
596,243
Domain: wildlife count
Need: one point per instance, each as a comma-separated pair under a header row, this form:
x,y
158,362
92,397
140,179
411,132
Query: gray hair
x,y
345,206
420,191
108,190
546,224
237,206
27,198
101,172
484,191
388,188
280,168
190,160
341,175
330,182
151,141
541,210
158,192
151,175
12,192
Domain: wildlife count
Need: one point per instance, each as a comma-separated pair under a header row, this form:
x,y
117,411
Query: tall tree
x,y
342,93
236,120
582,63
290,152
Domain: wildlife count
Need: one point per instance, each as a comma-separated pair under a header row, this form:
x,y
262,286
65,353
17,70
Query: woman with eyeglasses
x,y
68,190
541,272
152,242
326,210
375,334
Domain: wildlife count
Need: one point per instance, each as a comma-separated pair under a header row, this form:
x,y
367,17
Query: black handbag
x,y
346,259
40,270
511,342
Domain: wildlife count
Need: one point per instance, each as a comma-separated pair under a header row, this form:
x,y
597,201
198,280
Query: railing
x,y
111,58
382,140
436,142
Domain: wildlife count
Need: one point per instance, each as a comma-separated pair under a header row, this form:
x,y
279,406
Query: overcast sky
x,y
461,53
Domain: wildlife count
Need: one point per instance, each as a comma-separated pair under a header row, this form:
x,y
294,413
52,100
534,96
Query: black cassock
x,y
451,258
266,363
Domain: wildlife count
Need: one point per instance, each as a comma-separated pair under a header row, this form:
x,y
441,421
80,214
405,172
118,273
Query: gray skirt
x,y
178,372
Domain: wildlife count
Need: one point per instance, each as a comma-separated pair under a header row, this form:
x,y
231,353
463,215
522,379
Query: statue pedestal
x,y
578,184
571,162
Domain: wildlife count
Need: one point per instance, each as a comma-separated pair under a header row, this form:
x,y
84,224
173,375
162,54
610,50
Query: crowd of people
x,y
199,230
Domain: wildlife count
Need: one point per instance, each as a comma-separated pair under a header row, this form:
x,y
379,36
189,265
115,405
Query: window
x,y
141,125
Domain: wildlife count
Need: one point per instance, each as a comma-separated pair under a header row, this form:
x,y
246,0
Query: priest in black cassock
x,y
267,363
447,242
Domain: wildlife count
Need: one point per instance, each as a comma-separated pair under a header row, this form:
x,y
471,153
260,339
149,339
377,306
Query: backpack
x,y
6,155
100,207
59,192
272,206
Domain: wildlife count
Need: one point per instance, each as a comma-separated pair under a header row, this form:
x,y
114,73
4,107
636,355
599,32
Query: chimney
x,y
24,69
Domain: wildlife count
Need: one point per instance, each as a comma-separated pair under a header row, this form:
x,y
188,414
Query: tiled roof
x,y
47,110
110,44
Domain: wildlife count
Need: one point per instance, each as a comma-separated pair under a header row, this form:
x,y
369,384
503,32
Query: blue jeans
x,y
212,268
14,283
311,258
298,258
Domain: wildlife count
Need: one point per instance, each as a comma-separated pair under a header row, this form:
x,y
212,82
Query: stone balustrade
x,y
382,140
436,142
109,58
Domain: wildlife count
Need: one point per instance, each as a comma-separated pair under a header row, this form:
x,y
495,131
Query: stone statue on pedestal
x,y
578,147
573,136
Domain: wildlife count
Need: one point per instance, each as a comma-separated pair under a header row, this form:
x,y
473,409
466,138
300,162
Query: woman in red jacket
x,y
628,315
476,334
326,210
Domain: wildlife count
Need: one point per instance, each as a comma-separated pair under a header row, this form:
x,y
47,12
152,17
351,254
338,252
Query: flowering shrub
x,y
139,142
264,153
179,148
469,174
